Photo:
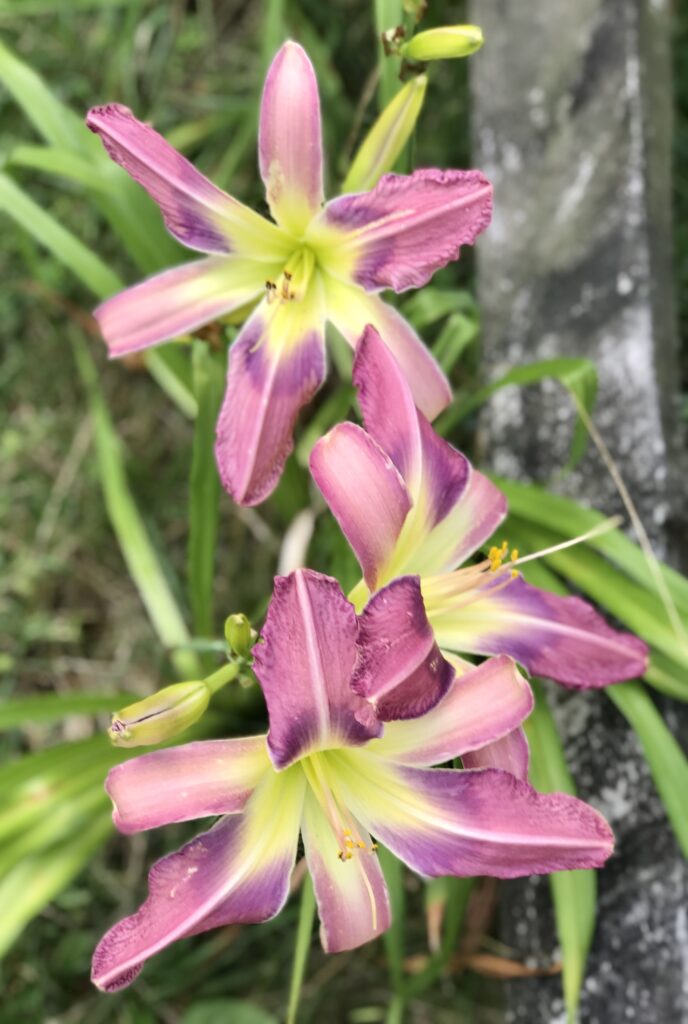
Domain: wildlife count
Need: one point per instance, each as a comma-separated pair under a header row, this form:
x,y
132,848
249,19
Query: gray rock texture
x,y
572,122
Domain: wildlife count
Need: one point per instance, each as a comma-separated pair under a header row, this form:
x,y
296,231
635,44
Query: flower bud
x,y
239,635
443,43
161,716
383,144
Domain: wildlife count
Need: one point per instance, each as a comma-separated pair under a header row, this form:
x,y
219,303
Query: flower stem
x,y
223,676
303,942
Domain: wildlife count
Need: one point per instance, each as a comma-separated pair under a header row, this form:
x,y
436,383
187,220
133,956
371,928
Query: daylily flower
x,y
327,771
409,503
313,265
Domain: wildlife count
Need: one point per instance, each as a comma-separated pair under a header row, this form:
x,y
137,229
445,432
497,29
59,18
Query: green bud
x,y
239,635
383,144
443,43
161,716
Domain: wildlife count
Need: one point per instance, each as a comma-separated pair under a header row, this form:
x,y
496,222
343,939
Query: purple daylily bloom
x,y
411,505
316,263
328,771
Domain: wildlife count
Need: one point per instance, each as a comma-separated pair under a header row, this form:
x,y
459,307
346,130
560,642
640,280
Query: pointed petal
x,y
352,897
350,309
365,494
178,301
238,872
196,780
407,227
482,705
464,823
510,753
275,367
562,638
399,669
304,666
290,139
196,212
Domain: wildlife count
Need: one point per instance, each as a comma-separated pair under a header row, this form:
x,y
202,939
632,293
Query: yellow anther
x,y
346,831
505,547
361,845
373,847
349,844
514,555
514,574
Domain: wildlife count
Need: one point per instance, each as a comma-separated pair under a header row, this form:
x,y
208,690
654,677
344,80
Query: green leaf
x,y
394,938
578,376
430,304
534,503
36,880
52,707
68,250
204,487
573,892
666,760
64,163
136,546
231,1011
456,335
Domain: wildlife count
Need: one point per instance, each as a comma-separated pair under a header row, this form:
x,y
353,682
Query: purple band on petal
x,y
563,638
399,669
407,227
304,666
464,823
365,493
238,872
428,464
266,388
510,753
192,206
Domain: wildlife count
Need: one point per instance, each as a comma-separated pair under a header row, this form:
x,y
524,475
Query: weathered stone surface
x,y
571,110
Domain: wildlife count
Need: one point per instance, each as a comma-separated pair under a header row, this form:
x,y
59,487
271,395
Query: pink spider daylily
x,y
409,503
313,265
327,770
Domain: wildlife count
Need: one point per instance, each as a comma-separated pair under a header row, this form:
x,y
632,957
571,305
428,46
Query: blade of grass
x,y
136,546
574,893
394,937
204,487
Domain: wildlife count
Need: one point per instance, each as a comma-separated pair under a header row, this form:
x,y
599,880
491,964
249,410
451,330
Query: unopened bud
x,y
383,144
161,716
443,43
239,635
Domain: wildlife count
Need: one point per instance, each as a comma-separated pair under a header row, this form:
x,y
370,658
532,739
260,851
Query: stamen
x,y
604,527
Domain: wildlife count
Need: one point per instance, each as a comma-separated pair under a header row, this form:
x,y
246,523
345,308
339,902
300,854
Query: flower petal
x,y
275,367
238,872
304,666
290,139
352,897
563,638
196,212
399,669
511,753
464,823
195,780
481,706
407,227
365,494
350,309
178,301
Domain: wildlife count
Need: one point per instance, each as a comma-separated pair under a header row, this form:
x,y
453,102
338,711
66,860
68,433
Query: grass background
x,y
70,618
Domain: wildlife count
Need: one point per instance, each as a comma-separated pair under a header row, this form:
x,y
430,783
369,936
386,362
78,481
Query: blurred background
x,y
72,622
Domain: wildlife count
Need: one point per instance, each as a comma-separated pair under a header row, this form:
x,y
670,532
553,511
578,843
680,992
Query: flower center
x,y
292,283
340,820
462,587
